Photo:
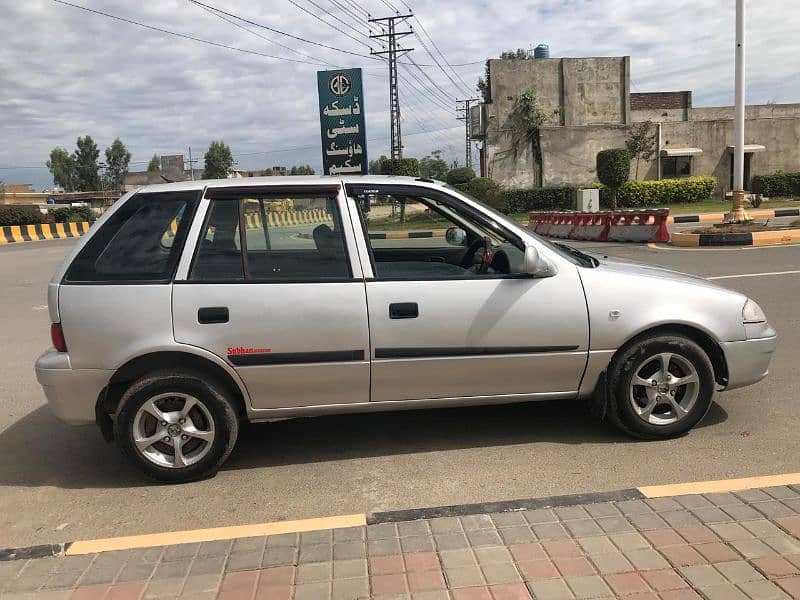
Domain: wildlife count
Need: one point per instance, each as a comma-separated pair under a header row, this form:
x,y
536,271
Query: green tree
x,y
267,172
613,170
301,170
62,165
460,175
117,160
86,155
379,166
641,143
154,166
433,166
218,160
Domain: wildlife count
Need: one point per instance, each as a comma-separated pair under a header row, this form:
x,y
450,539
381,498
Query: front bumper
x,y
748,360
71,393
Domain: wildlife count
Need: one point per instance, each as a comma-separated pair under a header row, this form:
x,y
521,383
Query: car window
x,y
140,242
291,238
413,236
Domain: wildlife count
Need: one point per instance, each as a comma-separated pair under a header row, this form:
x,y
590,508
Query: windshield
x,y
573,255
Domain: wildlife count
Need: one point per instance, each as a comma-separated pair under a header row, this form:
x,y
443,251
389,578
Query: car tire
x,y
646,403
196,416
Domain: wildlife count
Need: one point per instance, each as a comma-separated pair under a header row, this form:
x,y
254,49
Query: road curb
x,y
359,520
754,238
756,214
11,234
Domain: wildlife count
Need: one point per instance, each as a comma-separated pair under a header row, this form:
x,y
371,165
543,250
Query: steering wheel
x,y
486,256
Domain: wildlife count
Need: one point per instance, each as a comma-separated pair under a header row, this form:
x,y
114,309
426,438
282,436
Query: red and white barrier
x,y
621,226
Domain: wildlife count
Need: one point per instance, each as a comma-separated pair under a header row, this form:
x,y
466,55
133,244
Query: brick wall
x,y
660,100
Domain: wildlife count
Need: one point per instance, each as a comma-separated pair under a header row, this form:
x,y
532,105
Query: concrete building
x,y
172,169
587,106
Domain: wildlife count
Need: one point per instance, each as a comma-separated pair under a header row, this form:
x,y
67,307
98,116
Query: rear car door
x,y
441,329
272,289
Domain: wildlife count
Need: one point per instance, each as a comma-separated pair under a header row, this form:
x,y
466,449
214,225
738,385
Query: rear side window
x,y
272,239
141,242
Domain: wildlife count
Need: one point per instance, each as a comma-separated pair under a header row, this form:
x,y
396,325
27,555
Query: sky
x,y
65,72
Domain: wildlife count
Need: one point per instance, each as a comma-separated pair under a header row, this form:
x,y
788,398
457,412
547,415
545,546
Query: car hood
x,y
629,267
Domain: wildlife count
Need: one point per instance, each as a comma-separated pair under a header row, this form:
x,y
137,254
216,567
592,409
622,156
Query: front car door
x,y
271,288
440,327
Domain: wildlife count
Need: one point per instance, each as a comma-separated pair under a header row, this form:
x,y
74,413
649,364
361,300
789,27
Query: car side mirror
x,y
534,265
455,236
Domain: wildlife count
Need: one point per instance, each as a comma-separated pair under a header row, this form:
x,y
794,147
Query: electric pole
x,y
738,213
393,52
191,164
463,115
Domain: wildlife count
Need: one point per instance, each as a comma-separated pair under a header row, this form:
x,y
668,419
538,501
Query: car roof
x,y
293,180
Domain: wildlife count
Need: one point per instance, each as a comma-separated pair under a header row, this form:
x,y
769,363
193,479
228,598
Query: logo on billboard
x,y
339,85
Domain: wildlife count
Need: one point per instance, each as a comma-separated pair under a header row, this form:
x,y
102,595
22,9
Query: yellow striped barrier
x,y
12,234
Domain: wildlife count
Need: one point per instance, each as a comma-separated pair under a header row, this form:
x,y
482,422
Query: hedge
x,y
20,214
485,190
460,175
777,184
402,166
640,194
545,198
66,214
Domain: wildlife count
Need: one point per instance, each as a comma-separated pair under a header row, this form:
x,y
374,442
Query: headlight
x,y
752,313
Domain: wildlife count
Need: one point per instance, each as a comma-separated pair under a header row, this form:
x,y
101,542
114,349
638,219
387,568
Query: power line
x,y
318,18
272,29
349,13
263,37
184,35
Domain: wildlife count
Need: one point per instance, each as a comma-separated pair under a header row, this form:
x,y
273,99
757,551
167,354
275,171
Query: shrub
x,y
72,214
20,214
485,190
460,175
613,169
641,194
545,198
777,184
402,166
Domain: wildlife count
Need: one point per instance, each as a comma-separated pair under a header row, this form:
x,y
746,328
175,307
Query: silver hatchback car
x,y
192,307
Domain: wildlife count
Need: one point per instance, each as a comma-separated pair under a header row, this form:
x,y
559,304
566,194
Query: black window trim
x,y
354,189
242,192
180,239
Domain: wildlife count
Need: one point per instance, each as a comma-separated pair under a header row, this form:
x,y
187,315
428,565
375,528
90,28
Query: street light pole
x,y
738,214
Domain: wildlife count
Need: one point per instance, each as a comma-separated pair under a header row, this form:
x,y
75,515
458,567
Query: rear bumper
x,y
71,393
748,360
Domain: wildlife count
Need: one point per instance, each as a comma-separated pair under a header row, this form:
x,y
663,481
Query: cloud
x,y
65,72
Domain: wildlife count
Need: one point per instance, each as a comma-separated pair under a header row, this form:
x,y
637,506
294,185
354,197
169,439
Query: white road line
x,y
754,275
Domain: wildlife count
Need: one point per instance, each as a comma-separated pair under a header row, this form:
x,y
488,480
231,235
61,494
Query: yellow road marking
x,y
725,485
215,533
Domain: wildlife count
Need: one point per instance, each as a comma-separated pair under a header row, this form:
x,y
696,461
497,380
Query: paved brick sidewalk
x,y
726,546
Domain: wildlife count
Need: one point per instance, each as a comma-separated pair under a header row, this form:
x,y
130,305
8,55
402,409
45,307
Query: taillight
x,y
57,337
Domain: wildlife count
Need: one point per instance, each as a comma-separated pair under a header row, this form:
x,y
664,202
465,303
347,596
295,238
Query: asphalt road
x,y
59,483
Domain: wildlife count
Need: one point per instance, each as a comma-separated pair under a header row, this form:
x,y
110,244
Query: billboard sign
x,y
341,119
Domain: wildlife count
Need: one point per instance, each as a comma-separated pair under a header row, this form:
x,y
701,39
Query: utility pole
x,y
462,113
393,52
191,164
738,214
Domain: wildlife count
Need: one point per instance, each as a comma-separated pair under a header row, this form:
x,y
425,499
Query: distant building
x,y
172,169
588,107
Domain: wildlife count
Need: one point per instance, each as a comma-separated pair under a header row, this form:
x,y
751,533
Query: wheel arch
x,y
702,338
139,366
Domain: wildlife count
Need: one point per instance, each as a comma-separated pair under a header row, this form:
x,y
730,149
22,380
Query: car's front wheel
x,y
660,386
176,426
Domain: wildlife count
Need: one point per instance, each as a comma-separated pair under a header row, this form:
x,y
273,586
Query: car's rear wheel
x,y
176,426
660,386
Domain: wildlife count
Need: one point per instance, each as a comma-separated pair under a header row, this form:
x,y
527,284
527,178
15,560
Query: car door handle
x,y
212,314
403,310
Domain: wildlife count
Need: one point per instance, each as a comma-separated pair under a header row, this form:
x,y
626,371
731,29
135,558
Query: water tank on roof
x,y
541,51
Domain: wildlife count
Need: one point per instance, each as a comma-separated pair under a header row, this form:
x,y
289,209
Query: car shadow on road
x,y
38,450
